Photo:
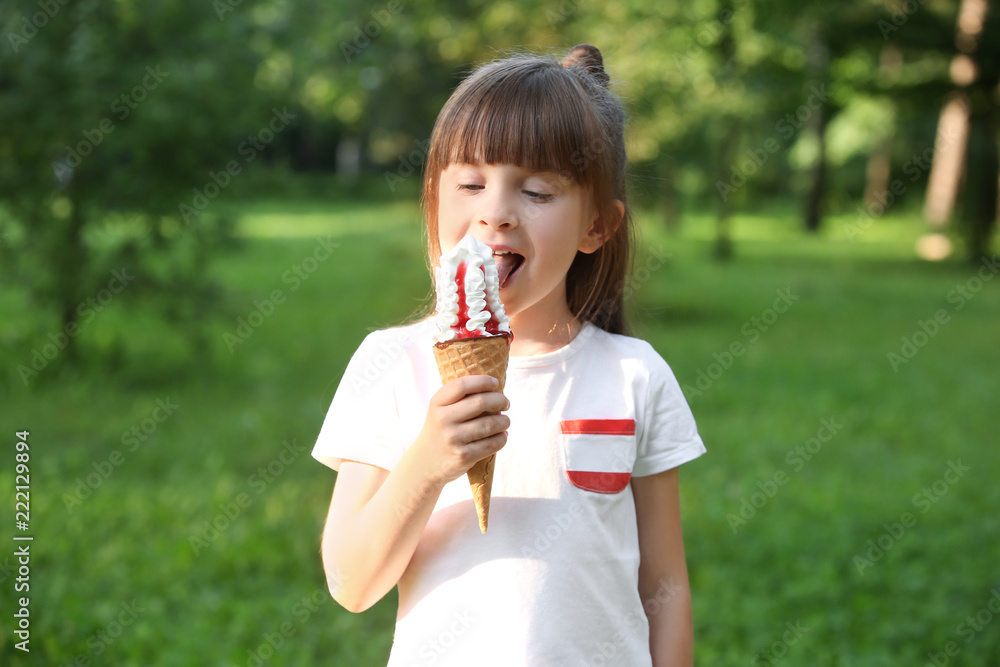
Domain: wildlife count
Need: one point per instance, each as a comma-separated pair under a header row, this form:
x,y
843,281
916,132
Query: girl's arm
x,y
663,577
376,516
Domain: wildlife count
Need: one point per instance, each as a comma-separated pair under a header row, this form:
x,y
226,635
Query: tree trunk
x,y
723,248
981,185
949,159
818,64
879,168
953,126
70,277
877,172
670,198
814,202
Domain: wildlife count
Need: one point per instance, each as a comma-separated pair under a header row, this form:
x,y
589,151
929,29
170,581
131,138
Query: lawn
x,y
844,515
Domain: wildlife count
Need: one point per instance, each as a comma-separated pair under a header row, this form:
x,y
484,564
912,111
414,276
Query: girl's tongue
x,y
506,265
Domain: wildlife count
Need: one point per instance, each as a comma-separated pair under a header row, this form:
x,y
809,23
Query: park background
x,y
205,206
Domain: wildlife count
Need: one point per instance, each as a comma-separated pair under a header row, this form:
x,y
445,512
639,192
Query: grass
x,y
209,535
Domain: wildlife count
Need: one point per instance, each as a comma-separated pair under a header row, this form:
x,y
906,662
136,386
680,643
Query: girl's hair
x,y
541,114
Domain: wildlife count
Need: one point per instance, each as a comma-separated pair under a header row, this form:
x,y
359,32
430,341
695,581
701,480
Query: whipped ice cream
x,y
468,293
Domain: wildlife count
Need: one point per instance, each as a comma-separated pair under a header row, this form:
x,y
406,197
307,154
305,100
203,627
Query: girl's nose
x,y
499,212
498,224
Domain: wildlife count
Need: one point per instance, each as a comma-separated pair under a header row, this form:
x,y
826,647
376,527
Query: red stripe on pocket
x,y
599,482
597,426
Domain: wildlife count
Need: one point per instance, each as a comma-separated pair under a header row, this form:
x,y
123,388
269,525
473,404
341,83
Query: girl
x,y
584,562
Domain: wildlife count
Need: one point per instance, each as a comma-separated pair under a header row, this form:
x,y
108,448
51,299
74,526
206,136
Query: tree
x,y
119,125
968,118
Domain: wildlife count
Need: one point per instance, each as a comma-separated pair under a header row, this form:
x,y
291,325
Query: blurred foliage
x,y
122,123
111,116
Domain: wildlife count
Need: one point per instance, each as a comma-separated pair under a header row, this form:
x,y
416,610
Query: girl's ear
x,y
595,237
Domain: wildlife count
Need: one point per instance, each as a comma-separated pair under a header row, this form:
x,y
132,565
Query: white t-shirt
x,y
555,579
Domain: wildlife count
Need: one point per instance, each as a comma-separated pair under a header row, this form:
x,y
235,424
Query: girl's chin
x,y
511,308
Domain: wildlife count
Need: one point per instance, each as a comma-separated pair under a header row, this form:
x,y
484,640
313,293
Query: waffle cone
x,y
476,356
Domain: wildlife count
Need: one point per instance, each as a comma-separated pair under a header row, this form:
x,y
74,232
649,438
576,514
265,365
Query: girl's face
x,y
539,218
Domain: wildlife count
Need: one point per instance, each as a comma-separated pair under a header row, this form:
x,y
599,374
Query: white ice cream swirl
x,y
482,290
475,297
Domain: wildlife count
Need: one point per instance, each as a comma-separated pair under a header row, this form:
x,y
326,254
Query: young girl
x,y
584,561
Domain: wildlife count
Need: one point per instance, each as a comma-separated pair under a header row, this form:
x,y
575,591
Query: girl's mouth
x,y
508,264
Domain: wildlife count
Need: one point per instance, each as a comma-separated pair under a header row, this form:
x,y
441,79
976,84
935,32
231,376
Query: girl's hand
x,y
463,426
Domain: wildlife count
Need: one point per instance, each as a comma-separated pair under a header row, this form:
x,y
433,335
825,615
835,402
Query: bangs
x,y
526,116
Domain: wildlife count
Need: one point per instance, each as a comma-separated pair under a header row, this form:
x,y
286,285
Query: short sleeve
x,y
669,435
363,422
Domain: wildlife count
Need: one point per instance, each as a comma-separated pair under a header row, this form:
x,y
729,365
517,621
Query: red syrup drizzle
x,y
493,326
460,329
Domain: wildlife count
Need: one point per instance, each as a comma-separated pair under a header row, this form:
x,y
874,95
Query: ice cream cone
x,y
473,334
476,356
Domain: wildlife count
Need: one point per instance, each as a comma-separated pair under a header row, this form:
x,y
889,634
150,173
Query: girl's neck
x,y
534,335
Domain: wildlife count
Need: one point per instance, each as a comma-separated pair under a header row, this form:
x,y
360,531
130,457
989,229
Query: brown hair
x,y
542,114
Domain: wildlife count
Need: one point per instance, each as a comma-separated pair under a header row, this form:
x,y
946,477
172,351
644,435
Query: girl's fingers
x,y
485,427
486,446
474,405
455,390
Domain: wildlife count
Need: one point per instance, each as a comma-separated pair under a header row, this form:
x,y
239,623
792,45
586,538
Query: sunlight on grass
x,y
270,220
201,472
779,232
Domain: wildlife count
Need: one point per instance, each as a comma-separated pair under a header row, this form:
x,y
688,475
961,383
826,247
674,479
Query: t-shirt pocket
x,y
598,453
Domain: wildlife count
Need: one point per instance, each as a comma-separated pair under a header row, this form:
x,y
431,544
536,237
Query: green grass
x,y
791,562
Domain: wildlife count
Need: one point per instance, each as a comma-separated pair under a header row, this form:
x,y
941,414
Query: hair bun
x,y
589,58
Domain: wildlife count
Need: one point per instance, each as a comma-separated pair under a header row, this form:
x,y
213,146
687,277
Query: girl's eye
x,y
469,186
538,195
